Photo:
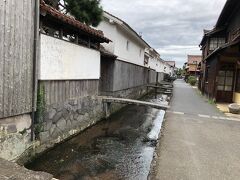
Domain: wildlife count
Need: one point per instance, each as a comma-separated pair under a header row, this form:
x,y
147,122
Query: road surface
x,y
198,142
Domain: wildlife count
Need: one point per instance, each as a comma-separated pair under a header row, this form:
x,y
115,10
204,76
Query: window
x,y
127,47
146,59
225,80
216,42
140,53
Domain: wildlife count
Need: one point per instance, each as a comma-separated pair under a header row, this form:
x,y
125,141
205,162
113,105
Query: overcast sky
x,y
173,27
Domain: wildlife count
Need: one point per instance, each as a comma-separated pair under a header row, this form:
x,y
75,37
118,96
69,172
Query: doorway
x,y
225,83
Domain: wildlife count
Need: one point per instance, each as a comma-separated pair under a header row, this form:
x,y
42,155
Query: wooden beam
x,y
134,102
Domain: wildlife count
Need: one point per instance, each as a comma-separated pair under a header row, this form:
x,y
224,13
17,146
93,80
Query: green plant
x,y
87,11
211,101
41,105
192,80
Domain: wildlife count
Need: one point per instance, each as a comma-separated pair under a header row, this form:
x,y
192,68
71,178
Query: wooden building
x,y
220,47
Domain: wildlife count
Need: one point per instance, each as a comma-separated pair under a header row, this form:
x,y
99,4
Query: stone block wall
x,y
63,120
60,121
15,136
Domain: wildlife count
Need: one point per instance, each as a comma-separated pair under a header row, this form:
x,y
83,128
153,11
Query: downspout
x,y
35,63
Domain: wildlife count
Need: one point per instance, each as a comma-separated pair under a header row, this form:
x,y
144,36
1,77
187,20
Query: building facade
x,y
127,71
221,56
192,64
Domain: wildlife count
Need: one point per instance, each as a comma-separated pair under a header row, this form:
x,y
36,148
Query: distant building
x,y
192,65
173,69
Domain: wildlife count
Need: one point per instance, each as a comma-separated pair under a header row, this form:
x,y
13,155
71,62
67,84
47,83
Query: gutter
x,y
35,63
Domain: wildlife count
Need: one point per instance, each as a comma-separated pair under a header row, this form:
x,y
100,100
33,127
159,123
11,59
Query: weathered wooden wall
x,y
128,75
118,75
16,54
210,86
160,76
106,77
152,76
61,91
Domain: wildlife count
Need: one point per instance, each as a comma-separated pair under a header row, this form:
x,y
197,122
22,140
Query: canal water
x,y
120,147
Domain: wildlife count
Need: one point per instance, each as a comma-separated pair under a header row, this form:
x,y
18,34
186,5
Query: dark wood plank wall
x,y
128,75
152,76
16,54
210,87
106,79
119,75
61,91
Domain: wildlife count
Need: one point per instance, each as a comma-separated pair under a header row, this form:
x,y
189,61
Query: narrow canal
x,y
120,147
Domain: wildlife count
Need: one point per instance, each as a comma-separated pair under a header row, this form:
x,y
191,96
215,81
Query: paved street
x,y
198,141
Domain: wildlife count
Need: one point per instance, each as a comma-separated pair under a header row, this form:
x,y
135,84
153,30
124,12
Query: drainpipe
x,y
35,63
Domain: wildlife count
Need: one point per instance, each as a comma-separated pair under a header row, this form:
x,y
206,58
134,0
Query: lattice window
x,y
216,42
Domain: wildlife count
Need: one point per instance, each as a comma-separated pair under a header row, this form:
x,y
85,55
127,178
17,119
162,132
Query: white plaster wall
x,y
160,67
110,32
153,63
61,60
118,46
131,55
167,70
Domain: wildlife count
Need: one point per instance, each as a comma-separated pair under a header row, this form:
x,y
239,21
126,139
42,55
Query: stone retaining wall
x,y
69,118
63,120
14,136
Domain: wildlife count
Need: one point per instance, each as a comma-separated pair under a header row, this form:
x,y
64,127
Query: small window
x,y
127,47
140,53
146,60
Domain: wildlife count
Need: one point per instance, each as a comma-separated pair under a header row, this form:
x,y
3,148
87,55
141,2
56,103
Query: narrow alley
x,y
198,141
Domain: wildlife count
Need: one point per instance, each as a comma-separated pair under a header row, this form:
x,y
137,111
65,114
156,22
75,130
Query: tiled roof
x,y
193,58
129,27
73,22
171,63
205,31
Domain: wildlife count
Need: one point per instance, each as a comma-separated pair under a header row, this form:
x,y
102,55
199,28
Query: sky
x,y
173,27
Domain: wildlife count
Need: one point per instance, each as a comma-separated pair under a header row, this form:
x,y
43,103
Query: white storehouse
x,y
126,44
130,47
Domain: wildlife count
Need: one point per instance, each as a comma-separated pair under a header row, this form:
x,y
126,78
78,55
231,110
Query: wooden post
x,y
76,39
107,106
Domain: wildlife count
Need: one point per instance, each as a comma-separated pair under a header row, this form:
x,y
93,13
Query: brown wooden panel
x,y
224,96
16,56
61,91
